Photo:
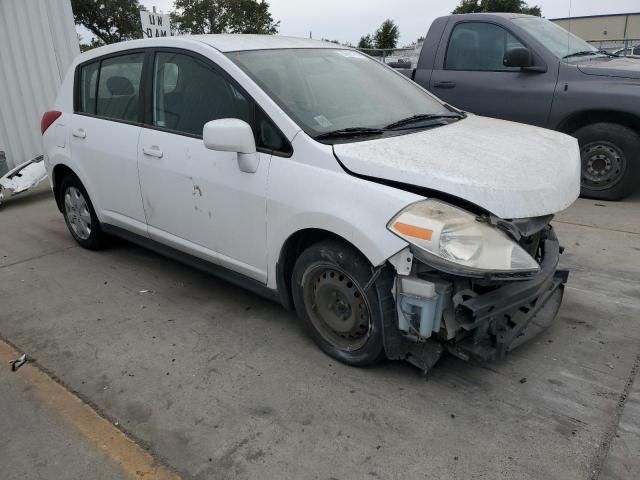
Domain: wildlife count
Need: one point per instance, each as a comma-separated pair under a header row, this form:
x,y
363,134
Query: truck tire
x,y
79,215
342,318
610,155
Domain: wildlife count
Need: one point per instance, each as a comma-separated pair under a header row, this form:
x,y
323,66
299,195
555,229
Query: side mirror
x,y
518,57
232,135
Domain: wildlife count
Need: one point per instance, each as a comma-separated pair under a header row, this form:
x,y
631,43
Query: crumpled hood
x,y
623,67
510,169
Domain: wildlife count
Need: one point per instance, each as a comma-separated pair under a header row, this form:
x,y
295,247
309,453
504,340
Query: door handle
x,y
79,133
152,151
444,84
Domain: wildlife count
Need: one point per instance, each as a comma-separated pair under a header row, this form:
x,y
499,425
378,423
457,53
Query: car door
x,y
105,129
198,200
469,74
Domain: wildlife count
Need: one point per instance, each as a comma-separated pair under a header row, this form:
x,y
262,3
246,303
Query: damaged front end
x,y
449,298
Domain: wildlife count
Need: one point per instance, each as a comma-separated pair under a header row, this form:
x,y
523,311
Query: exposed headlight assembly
x,y
453,240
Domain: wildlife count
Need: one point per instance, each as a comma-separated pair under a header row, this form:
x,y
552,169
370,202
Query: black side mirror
x,y
518,57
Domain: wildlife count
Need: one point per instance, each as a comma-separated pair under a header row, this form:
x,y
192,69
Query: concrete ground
x,y
216,382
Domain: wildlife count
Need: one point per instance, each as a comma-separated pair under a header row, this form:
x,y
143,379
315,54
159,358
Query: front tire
x,y
79,215
328,293
610,155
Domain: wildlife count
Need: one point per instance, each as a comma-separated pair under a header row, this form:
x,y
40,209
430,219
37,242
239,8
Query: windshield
x,y
328,90
560,42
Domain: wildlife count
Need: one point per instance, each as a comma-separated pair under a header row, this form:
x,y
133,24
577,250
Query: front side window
x,y
187,93
560,42
324,90
119,87
479,46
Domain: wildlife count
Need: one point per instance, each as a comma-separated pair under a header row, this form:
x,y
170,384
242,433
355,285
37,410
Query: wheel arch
x,y
291,249
59,172
581,119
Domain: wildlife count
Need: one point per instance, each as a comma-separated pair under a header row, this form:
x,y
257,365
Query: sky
x,y
348,20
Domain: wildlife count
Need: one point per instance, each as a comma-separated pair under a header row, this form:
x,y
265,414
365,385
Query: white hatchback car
x,y
396,225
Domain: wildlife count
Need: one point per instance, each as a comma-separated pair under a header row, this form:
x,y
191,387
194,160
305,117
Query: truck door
x,y
469,74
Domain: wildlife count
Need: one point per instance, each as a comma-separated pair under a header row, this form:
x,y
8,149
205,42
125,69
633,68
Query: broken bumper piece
x,y
23,177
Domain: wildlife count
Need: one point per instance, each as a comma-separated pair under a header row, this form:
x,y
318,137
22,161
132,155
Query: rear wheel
x,y
79,215
328,292
610,155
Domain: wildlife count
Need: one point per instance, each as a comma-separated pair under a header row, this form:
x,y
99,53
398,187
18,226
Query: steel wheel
x,y
77,213
603,165
337,307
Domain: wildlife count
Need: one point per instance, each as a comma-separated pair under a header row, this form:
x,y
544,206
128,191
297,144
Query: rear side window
x,y
88,80
479,46
187,93
119,87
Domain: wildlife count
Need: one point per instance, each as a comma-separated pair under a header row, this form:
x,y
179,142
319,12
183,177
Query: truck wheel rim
x,y
77,213
603,165
337,307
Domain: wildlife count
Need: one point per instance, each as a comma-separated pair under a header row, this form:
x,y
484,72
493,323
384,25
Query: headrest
x,y
120,86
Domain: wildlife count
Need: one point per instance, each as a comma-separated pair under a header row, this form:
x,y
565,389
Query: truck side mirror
x,y
518,57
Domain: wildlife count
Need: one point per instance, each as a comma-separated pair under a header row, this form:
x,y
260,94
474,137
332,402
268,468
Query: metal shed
x,y
38,42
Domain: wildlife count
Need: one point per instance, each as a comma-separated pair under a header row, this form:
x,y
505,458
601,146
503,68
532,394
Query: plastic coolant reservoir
x,y
420,304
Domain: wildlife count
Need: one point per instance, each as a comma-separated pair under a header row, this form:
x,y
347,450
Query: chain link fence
x,y
398,57
625,47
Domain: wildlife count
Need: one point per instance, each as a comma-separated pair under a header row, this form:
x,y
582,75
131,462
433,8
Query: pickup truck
x,y
530,70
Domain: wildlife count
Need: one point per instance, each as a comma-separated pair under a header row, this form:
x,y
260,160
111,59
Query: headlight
x,y
452,239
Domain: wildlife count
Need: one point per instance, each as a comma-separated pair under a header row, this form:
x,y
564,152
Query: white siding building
x,y
38,41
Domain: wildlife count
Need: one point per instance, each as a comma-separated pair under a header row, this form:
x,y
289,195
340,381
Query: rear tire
x,y
610,155
328,292
79,215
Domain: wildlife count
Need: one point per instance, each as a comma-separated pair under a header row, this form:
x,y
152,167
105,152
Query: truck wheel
x,y
79,215
610,156
344,320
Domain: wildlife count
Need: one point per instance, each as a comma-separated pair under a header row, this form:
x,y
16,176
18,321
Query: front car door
x,y
105,129
469,74
198,200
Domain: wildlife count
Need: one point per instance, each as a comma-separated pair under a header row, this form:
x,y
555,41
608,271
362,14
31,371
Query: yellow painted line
x,y
134,461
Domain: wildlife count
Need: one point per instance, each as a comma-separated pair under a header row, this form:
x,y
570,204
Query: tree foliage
x,y
511,6
223,16
365,42
110,21
387,35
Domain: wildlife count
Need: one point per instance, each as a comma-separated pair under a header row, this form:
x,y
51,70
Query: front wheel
x,y
328,292
610,155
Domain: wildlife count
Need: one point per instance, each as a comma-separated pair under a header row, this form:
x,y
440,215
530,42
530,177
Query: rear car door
x,y
105,130
197,200
469,74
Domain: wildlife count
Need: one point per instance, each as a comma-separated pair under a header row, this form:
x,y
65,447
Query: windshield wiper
x,y
423,117
349,132
582,54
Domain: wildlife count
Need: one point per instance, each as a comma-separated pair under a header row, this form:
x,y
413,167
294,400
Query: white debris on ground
x,y
23,177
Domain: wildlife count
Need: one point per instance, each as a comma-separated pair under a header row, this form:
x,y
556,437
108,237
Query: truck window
x,y
479,46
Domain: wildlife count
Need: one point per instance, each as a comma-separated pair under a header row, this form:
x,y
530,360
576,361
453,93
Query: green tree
x,y
365,42
512,6
387,35
110,21
223,16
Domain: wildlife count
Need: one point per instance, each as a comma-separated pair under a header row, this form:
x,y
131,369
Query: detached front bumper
x,y
502,319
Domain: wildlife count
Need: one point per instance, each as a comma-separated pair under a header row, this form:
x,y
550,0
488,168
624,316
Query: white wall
x,y
38,41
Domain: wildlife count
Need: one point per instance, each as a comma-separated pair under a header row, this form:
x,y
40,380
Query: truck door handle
x,y
152,151
444,85
79,133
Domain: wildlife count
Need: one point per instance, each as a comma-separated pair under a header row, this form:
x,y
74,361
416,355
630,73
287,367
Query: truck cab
x,y
528,69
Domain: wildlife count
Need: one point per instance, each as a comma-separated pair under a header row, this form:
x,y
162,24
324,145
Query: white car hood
x,y
510,169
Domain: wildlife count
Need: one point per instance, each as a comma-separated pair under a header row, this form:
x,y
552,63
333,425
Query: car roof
x,y
237,42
